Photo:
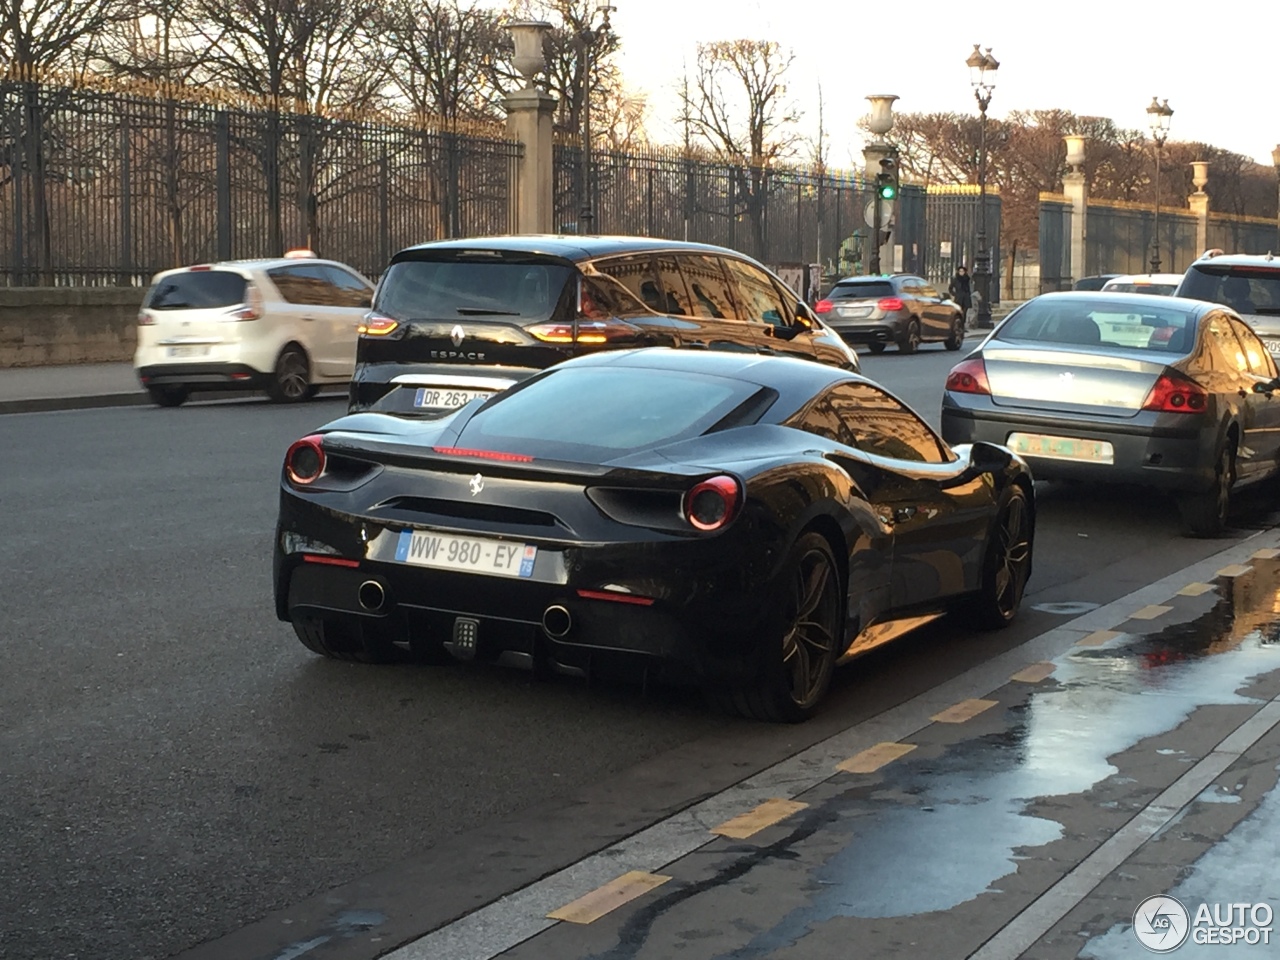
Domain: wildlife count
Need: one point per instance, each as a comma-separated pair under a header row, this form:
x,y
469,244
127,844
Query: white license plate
x,y
445,552
437,397
853,311
1273,346
1061,448
197,350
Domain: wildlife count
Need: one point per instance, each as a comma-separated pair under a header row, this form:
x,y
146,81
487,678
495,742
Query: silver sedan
x,y
1165,392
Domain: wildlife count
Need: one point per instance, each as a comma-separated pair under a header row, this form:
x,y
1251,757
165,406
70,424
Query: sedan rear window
x,y
449,289
629,409
1243,289
1102,323
873,289
197,290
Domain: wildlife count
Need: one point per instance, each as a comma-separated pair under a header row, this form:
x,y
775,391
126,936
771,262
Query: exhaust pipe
x,y
371,596
556,622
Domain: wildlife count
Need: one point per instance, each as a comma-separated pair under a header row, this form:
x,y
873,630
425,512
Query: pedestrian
x,y
960,289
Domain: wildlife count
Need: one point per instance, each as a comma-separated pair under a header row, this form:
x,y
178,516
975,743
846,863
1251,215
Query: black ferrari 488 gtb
x,y
747,522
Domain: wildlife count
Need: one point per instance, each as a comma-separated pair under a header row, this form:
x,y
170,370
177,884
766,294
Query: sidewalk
x,y
30,389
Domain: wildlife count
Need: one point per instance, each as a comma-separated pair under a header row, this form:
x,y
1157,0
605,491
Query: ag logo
x,y
477,484
1161,924
457,335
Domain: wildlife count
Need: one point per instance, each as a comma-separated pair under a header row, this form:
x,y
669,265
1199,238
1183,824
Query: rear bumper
x,y
374,388
1174,459
881,330
203,376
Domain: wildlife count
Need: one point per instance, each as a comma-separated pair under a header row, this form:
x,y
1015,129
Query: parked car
x,y
901,309
1095,282
1157,391
461,319
743,521
286,325
1248,284
1158,284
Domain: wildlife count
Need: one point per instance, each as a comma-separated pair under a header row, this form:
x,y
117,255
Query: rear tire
x,y
344,640
291,379
1006,564
876,347
168,396
910,341
796,666
954,341
1205,514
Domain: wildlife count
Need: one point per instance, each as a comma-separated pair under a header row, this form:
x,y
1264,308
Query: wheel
x,y
954,341
1006,564
168,396
799,655
344,640
1205,514
290,380
876,347
910,341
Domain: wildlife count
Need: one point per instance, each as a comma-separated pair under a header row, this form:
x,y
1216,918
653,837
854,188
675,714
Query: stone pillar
x,y
1075,186
529,121
879,122
1199,204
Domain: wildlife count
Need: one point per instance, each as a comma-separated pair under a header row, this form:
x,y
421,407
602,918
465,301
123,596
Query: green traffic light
x,y
888,192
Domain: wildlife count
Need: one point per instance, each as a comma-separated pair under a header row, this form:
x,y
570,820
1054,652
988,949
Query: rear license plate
x,y
446,399
197,350
1273,347
853,312
1061,448
442,551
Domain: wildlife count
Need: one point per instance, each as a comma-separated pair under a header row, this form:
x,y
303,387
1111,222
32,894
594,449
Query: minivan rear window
x,y
450,289
197,290
873,289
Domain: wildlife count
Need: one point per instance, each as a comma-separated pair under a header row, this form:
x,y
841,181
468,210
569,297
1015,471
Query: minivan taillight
x,y
589,331
376,325
1172,393
251,309
145,319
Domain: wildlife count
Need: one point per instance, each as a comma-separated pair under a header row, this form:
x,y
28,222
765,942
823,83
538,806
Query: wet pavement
x,y
1029,821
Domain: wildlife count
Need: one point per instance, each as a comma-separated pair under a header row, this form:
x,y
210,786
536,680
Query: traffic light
x,y
887,179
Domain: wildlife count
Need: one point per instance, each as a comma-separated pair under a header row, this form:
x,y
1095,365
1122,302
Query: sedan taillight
x,y
890,304
1176,394
304,461
712,504
969,376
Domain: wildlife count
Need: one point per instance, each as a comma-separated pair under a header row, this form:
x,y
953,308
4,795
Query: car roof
x,y
1217,258
1147,278
264,263
571,247
1137,301
777,372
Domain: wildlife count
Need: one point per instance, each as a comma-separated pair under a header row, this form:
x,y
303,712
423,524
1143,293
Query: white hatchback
x,y
287,326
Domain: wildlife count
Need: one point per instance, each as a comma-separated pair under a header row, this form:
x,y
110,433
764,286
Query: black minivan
x,y
460,319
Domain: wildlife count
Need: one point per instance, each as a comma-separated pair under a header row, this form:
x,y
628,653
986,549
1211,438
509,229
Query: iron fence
x,y
1118,239
107,187
1055,245
952,215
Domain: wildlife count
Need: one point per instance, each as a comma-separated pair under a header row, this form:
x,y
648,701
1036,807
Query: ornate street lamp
x,y
982,75
1275,158
1158,117
588,38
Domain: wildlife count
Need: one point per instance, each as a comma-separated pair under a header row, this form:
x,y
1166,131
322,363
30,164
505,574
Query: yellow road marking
x,y
753,821
612,895
1195,589
1034,673
873,758
964,710
1235,570
1149,612
1097,638
1266,555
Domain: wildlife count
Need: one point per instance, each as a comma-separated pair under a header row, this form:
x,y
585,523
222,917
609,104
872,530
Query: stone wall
x,y
47,325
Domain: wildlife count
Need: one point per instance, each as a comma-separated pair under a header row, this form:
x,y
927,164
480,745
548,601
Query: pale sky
x,y
1095,57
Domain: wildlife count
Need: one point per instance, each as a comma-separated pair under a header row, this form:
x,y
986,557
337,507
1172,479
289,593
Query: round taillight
x,y
712,504
305,460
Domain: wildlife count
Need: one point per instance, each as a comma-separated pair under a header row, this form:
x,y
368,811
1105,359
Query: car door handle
x,y
308,319
698,344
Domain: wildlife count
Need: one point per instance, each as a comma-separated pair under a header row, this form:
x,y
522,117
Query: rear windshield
x,y
1159,289
1103,323
861,291
1243,289
630,409
447,290
197,290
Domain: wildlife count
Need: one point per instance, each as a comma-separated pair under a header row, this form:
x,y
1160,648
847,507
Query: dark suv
x,y
901,309
459,319
1247,283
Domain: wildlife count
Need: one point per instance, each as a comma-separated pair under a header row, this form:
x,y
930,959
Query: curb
x,y
106,400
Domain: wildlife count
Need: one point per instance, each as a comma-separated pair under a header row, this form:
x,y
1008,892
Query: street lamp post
x,y
982,75
1275,158
1158,116
588,37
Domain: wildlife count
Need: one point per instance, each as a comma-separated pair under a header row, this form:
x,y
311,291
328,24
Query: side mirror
x,y
1267,387
983,458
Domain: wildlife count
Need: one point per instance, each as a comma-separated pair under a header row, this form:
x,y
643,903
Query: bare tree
x,y
36,34
738,106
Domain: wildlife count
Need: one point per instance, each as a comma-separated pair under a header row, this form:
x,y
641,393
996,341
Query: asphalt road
x,y
174,765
